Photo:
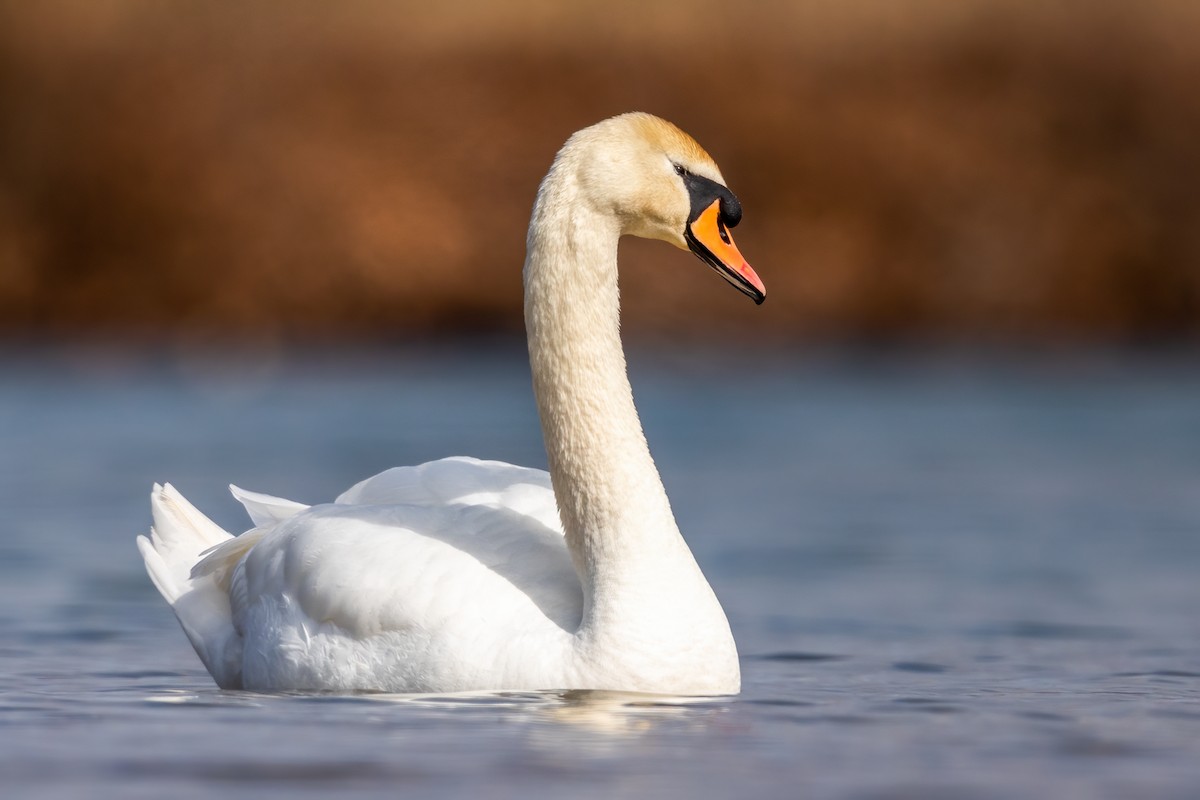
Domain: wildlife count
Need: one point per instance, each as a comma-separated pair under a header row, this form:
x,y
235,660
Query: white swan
x,y
461,574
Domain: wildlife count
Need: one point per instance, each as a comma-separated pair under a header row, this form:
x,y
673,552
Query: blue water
x,y
949,576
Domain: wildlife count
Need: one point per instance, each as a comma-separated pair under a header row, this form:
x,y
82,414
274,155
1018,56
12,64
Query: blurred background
x,y
930,170
951,488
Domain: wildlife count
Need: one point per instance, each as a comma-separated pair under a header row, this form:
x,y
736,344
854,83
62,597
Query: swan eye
x,y
679,170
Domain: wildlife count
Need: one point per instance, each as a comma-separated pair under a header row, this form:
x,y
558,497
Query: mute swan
x,y
461,574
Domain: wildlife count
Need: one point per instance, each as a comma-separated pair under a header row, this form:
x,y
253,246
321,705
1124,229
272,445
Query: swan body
x,y
462,574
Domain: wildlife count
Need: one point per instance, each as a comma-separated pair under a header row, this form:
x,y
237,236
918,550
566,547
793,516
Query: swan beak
x,y
709,238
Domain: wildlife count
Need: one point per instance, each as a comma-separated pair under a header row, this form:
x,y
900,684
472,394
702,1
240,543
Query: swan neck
x,y
611,499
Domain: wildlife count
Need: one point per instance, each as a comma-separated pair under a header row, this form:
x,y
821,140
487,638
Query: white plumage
x,y
462,574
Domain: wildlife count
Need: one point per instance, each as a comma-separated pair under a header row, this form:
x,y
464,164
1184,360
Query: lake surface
x,y
949,576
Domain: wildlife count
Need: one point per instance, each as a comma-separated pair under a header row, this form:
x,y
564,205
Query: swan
x,y
467,575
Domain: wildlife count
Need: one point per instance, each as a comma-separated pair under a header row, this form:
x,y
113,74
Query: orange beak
x,y
709,238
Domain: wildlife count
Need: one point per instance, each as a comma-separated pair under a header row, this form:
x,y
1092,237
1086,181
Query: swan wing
x,y
263,508
461,480
403,598
444,576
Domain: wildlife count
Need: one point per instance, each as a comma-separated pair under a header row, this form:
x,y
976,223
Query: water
x,y
948,577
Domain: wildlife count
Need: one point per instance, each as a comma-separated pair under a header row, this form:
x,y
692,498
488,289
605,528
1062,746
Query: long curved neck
x,y
614,510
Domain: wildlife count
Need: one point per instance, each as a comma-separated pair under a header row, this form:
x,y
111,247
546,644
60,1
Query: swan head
x,y
659,183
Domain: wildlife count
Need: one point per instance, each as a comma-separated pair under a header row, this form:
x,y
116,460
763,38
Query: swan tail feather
x,y
179,535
